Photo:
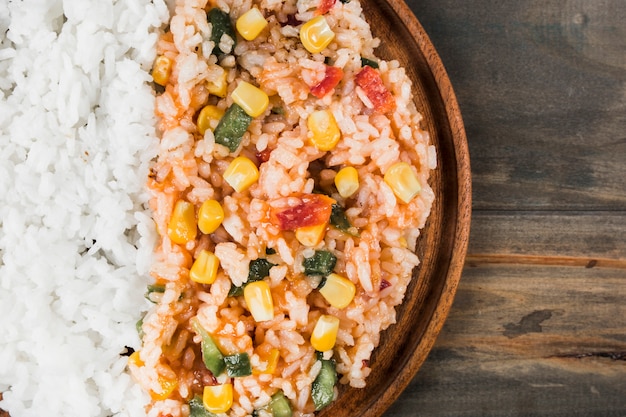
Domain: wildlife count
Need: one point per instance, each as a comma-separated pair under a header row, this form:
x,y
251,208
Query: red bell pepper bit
x,y
372,84
313,209
332,77
325,6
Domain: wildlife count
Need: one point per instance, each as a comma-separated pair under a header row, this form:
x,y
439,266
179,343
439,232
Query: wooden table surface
x,y
538,327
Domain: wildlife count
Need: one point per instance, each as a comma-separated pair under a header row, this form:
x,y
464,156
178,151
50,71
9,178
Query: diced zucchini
x,y
238,365
321,263
322,390
232,127
368,62
280,405
211,355
221,25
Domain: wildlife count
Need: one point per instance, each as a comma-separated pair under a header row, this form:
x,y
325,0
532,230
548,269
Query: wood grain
x,y
538,325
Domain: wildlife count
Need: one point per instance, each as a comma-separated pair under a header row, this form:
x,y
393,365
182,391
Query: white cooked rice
x,y
76,138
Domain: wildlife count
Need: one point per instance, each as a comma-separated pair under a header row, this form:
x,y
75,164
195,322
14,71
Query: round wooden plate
x,y
443,243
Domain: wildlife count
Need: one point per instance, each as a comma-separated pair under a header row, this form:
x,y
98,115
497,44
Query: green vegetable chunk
x,y
280,405
339,220
232,126
221,25
257,270
211,355
321,263
196,408
322,390
238,365
152,289
369,63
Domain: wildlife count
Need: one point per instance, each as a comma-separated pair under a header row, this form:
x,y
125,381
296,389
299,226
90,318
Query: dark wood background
x,y
538,327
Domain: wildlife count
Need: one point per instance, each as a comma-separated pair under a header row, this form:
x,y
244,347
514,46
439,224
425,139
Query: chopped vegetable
x,y
316,34
161,70
403,181
209,116
339,220
241,173
323,388
251,24
219,85
259,300
371,83
324,333
182,226
311,236
271,359
257,270
211,355
280,405
325,6
167,386
204,268
154,288
347,181
196,408
337,290
321,263
221,25
332,77
368,62
238,365
252,99
232,126
325,133
218,398
210,216
312,210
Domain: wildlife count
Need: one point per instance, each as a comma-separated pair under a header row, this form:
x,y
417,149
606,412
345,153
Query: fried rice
x,y
294,209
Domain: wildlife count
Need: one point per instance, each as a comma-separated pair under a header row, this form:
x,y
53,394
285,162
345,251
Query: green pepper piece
x,y
339,220
232,126
321,263
221,25
196,408
238,365
154,288
257,270
368,62
280,405
211,355
322,390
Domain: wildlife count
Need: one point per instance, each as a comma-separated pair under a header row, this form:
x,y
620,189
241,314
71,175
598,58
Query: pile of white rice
x,y
76,139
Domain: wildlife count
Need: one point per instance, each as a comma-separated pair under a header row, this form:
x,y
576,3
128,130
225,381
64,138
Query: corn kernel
x,y
135,360
338,291
251,99
218,86
325,133
316,34
210,216
161,70
167,387
208,118
259,300
311,235
347,181
251,24
325,332
271,359
241,173
182,225
204,269
218,398
403,181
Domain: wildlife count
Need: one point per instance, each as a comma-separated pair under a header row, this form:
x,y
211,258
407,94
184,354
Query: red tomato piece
x,y
332,76
263,156
372,84
325,6
313,209
384,284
